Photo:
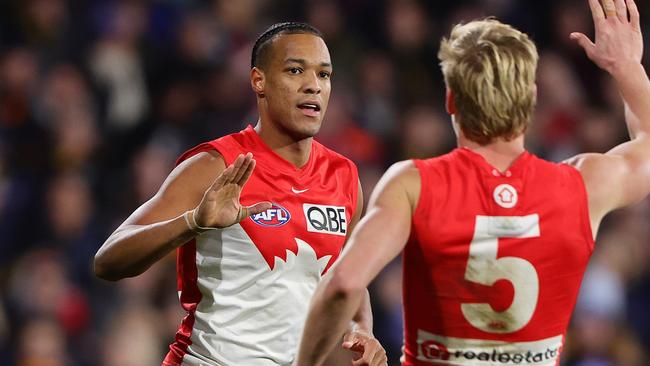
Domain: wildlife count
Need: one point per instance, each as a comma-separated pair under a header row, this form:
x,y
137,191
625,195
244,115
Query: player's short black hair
x,y
263,42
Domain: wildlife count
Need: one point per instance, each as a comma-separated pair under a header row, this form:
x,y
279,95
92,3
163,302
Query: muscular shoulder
x,y
406,172
194,174
600,174
182,190
441,166
596,166
403,176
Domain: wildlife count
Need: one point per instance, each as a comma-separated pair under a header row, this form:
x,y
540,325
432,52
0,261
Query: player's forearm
x,y
132,249
363,317
634,86
332,308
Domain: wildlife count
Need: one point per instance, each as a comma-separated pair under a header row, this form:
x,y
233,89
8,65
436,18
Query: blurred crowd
x,y
99,97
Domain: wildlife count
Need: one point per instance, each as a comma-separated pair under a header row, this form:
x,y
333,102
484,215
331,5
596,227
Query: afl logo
x,y
274,217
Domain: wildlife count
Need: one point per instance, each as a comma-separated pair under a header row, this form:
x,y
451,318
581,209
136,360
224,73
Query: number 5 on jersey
x,y
485,268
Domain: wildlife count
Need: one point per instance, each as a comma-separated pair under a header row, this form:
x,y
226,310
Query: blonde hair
x,y
490,68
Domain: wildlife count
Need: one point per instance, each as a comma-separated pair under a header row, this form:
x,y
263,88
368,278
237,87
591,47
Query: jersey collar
x,y
274,161
514,170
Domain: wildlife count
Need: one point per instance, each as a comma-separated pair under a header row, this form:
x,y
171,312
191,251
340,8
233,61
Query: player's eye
x,y
294,70
325,74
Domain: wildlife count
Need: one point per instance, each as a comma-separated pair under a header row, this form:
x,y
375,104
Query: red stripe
x,y
187,275
190,297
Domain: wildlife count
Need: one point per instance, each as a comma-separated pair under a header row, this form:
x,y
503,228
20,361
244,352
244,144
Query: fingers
x,y
609,7
222,179
255,209
634,14
621,10
583,41
354,341
247,173
227,174
241,165
235,172
242,213
596,11
353,346
349,338
373,354
379,359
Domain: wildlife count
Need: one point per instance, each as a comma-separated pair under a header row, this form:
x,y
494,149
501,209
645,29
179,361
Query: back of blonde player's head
x,y
490,68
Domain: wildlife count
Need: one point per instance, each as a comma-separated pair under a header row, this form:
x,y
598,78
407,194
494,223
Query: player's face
x,y
297,83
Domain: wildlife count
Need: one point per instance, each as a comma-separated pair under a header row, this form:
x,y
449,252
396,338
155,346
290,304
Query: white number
x,y
485,268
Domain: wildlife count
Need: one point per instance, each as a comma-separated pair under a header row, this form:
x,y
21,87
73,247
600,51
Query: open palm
x,y
220,206
618,41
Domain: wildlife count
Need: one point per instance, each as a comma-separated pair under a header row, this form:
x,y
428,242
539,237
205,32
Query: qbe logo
x,y
325,219
274,216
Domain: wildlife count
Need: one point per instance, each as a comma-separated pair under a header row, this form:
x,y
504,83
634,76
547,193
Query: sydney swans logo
x,y
301,262
283,245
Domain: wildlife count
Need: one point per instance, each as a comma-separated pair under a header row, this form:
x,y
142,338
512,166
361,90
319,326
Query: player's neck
x,y
295,151
500,154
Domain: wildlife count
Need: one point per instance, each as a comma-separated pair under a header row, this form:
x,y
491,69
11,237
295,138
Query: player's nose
x,y
311,83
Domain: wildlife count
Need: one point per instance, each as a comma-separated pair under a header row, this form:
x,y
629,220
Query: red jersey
x,y
495,260
247,287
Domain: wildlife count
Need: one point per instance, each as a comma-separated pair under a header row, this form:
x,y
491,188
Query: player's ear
x,y
258,81
450,103
535,90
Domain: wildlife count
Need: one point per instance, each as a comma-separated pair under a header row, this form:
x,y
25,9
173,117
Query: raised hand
x,y
220,206
618,41
367,348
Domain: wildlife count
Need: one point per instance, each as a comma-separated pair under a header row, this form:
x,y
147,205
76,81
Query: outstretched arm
x,y
379,237
621,176
172,217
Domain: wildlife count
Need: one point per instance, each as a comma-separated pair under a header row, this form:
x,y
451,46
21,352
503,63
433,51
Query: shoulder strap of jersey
x,y
578,187
427,184
226,146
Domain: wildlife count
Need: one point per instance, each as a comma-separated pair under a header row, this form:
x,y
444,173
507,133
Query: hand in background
x,y
368,351
618,41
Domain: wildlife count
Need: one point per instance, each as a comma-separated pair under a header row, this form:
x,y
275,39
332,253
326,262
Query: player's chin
x,y
308,127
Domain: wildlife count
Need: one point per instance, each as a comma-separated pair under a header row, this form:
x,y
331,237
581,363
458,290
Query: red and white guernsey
x,y
247,288
495,261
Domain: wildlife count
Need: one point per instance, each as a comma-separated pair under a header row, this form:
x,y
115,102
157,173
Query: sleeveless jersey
x,y
494,262
247,287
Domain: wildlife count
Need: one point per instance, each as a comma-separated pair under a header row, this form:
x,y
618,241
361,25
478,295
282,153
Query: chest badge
x,y
505,195
273,217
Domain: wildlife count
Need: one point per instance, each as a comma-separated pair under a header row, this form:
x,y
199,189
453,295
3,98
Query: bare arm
x,y
621,176
359,337
189,197
379,238
363,317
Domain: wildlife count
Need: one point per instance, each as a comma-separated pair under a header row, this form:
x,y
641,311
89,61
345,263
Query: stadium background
x,y
98,98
